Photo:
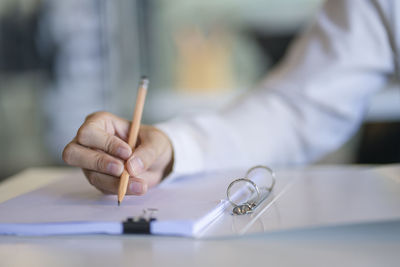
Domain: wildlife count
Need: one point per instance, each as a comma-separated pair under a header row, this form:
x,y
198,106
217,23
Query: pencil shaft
x,y
133,135
137,116
123,186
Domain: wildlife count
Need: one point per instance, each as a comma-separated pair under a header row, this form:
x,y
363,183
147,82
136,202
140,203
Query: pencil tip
x,y
119,203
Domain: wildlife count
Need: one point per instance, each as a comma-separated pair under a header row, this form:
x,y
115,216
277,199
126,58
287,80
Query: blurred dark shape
x,y
19,42
380,143
274,46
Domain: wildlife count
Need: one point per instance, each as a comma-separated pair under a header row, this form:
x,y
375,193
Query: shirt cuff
x,y
187,149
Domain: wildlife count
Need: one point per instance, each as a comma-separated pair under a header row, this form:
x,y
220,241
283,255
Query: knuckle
x,y
91,178
91,116
67,153
109,144
97,115
100,163
103,191
82,134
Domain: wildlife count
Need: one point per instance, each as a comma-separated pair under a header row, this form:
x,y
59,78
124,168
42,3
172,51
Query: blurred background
x,y
61,60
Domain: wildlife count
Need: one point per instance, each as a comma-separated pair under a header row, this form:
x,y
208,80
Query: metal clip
x,y
256,195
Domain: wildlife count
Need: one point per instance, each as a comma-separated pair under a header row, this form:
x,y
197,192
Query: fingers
x,y
151,150
100,148
91,135
110,123
136,187
151,178
108,184
150,158
86,158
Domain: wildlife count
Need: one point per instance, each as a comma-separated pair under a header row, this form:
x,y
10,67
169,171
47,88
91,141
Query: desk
x,y
376,244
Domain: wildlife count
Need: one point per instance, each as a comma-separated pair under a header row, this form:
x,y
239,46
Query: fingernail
x,y
115,168
123,152
136,187
136,165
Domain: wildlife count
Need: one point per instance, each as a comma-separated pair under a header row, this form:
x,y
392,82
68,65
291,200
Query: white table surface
x,y
376,244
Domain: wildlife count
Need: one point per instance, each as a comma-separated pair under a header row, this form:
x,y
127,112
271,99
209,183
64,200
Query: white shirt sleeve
x,y
307,106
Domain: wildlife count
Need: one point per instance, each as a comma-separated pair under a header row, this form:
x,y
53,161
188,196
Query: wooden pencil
x,y
133,133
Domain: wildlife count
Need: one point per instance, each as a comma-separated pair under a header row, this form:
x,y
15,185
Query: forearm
x,y
306,107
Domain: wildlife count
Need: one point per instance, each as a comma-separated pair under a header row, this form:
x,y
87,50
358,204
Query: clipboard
x,y
301,198
56,209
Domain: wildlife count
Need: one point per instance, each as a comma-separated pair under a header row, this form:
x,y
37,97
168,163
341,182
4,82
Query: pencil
x,y
133,133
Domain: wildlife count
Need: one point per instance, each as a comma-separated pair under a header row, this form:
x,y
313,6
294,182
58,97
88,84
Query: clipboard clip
x,y
139,224
246,194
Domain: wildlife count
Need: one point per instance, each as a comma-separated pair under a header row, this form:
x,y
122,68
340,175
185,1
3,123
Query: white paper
x,y
192,206
185,206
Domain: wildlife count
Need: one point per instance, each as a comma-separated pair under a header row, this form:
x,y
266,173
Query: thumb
x,y
148,153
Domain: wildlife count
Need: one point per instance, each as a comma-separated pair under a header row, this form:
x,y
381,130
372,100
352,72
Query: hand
x,y
100,149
